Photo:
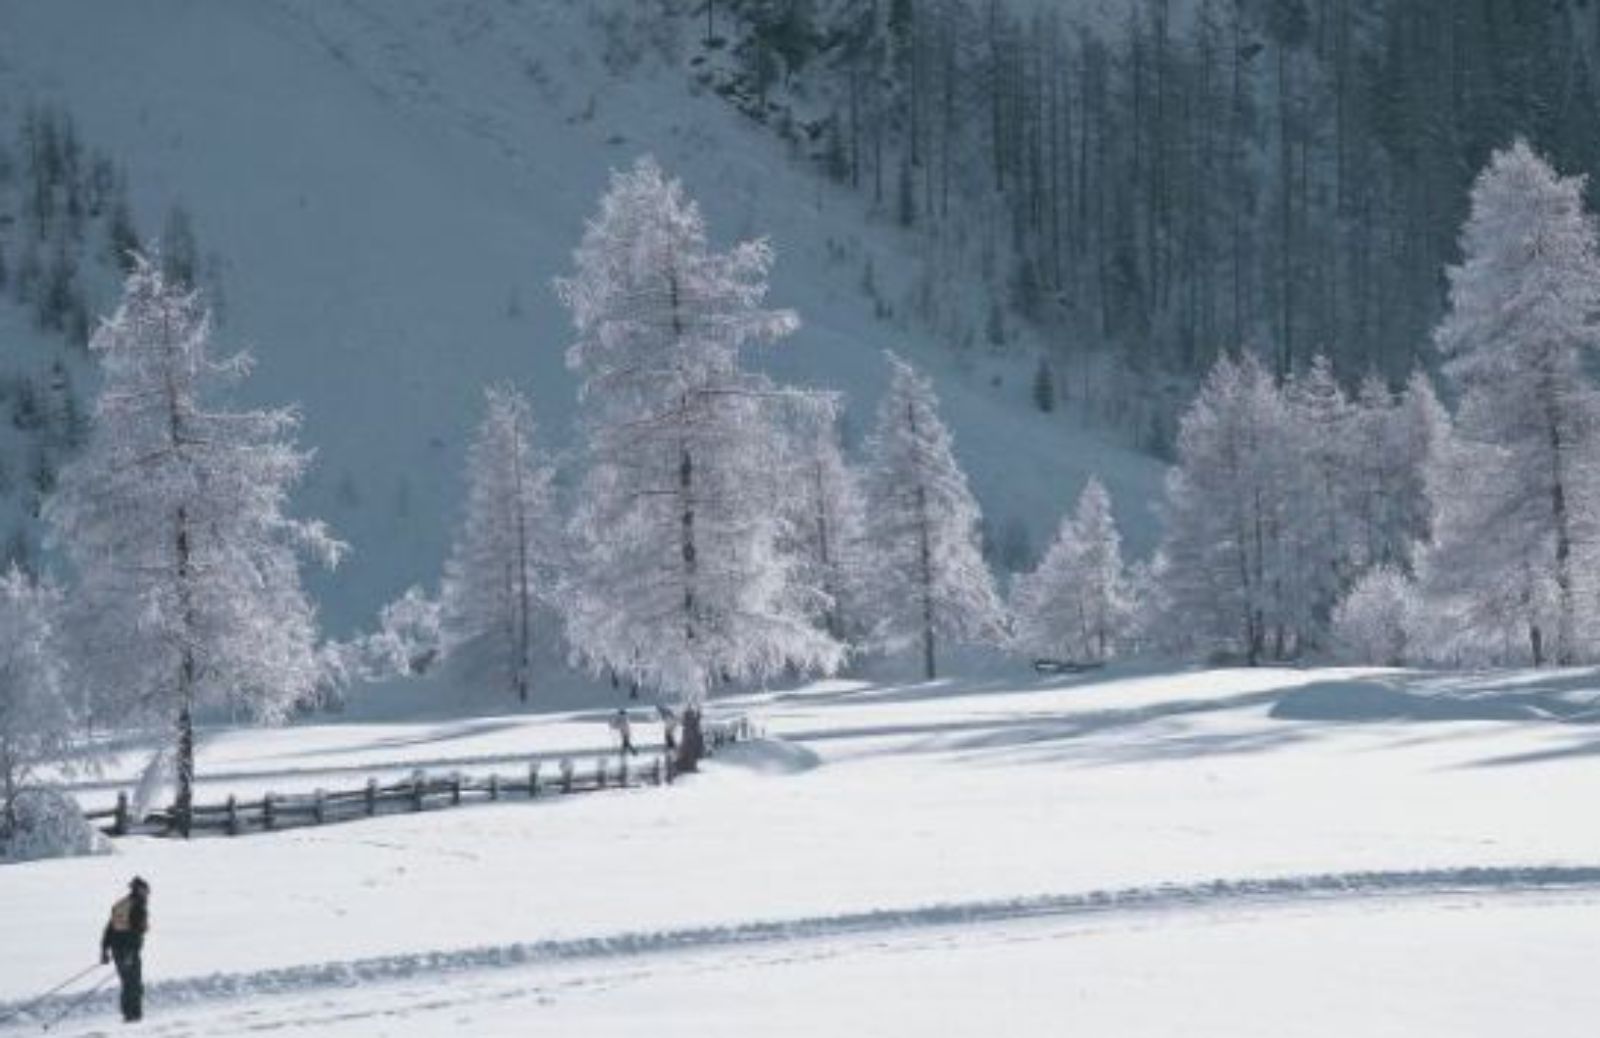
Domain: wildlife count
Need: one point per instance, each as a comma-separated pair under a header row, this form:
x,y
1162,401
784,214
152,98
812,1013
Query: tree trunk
x,y
1566,636
523,633
925,559
183,806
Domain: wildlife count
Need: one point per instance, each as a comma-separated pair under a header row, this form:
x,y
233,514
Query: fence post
x,y
418,786
566,775
455,789
233,815
268,816
319,809
119,826
656,773
533,779
622,780
372,797
600,773
494,787
672,768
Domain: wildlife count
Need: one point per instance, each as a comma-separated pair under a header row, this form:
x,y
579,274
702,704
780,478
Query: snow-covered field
x,y
1132,853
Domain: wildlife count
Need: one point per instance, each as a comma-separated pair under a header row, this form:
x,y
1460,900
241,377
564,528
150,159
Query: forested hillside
x,y
1161,180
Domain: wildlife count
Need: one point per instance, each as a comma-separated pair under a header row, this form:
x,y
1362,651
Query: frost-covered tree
x,y
1224,576
1419,429
1077,605
678,580
37,720
928,581
503,569
1375,621
822,496
1322,548
1518,500
188,581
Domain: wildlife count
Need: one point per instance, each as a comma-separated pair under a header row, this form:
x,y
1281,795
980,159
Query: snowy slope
x,y
392,187
940,814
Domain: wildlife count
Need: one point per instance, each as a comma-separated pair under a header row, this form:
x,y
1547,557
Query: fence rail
x,y
418,792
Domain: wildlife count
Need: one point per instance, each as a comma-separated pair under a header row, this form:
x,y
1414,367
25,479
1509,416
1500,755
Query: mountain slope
x,y
391,188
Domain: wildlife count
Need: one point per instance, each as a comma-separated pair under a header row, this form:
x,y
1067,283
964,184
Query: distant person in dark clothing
x,y
624,729
123,943
669,727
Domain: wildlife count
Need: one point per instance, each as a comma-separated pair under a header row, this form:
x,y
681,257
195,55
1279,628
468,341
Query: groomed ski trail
x,y
1211,895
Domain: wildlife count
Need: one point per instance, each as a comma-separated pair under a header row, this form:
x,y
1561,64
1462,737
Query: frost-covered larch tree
x,y
1077,604
503,568
1518,502
1322,546
822,494
928,581
1224,577
37,720
678,580
188,582
1394,442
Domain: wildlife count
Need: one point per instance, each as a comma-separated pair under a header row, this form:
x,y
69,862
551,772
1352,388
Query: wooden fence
x,y
419,792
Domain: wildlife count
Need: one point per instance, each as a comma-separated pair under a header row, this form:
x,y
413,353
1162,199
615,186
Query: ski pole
x,y
79,1001
26,1006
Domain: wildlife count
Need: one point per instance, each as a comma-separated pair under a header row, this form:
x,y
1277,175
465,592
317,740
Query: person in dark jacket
x,y
623,726
123,944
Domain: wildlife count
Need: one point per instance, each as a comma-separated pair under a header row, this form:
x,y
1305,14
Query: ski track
x,y
1173,897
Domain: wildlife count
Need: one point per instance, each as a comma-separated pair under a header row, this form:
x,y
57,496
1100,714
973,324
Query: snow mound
x,y
770,757
1377,700
50,825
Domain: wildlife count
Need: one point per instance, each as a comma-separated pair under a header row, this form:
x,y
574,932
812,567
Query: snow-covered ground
x,y
1137,851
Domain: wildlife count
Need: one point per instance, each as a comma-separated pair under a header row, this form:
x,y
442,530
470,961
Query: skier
x,y
624,730
123,942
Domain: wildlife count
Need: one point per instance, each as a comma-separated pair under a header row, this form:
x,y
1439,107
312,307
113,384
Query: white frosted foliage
x,y
1517,495
37,721
679,580
501,576
928,581
187,568
1077,604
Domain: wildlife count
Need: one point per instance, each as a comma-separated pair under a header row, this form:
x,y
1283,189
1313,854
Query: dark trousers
x,y
627,745
130,971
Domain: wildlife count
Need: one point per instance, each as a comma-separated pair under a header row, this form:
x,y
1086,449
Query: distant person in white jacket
x,y
624,729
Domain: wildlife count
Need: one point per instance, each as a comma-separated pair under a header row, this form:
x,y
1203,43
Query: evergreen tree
x,y
1518,502
504,564
1077,605
678,581
1044,387
929,582
188,586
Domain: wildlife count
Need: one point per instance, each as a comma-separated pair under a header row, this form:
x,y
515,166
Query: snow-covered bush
x,y
1375,621
47,823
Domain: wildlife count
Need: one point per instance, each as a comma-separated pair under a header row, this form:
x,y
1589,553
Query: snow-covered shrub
x,y
48,824
1375,621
